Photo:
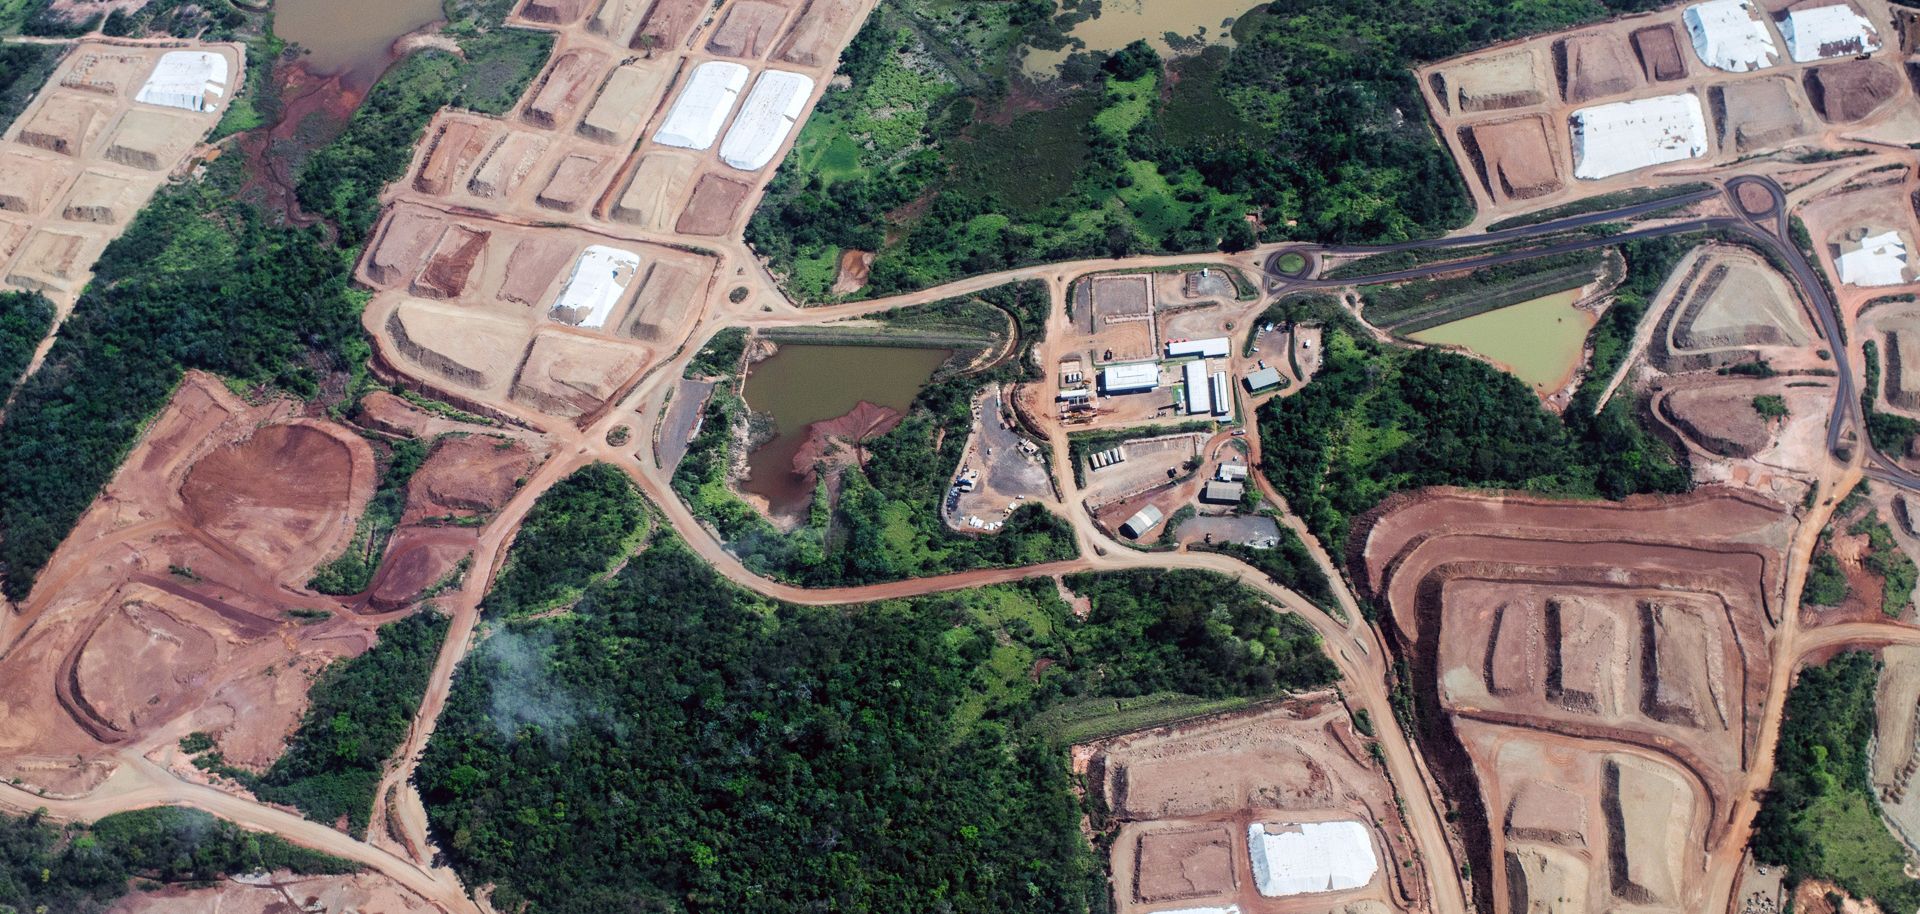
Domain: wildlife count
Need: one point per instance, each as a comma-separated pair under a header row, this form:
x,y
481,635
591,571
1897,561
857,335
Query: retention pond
x,y
801,385
350,38
1539,341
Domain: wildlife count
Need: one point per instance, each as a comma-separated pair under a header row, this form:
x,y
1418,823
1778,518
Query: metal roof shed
x,y
1142,521
1130,378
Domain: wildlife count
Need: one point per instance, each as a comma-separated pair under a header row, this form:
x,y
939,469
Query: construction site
x,y
113,123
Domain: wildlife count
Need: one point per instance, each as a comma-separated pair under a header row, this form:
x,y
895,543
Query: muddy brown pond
x,y
804,384
350,38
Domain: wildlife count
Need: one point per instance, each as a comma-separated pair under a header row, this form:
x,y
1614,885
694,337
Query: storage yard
x,y
112,124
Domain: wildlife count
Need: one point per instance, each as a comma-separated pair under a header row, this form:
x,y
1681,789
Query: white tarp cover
x,y
599,279
1622,136
771,110
1310,857
194,80
1728,35
1881,260
1828,31
703,105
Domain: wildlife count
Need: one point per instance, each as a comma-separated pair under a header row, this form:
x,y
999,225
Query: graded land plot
x,y
1592,65
1851,90
1497,82
1759,114
671,295
109,126
474,352
815,39
714,207
1896,745
748,28
669,25
1869,208
1144,464
571,375
1902,354
170,610
454,149
569,81
1617,650
1114,313
614,20
653,196
626,101
1514,159
1728,303
1719,415
575,181
998,470
1658,49
1181,802
552,12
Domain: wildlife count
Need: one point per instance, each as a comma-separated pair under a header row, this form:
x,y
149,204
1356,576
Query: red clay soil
x,y
454,151
833,440
279,491
1850,90
536,261
466,476
814,41
668,24
417,559
714,204
569,81
554,12
385,412
1658,48
451,263
313,110
747,29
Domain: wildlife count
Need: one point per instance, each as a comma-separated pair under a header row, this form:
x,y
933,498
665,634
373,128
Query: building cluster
x,y
1204,391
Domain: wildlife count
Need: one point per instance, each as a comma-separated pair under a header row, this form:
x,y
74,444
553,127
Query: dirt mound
x,y
1494,83
613,18
451,263
27,184
280,493
668,25
99,198
507,165
1513,158
1758,114
569,375
656,185
565,84
669,297
1593,65
532,266
1540,881
1851,90
175,655
467,475
553,12
106,74
1177,865
64,124
629,96
1548,813
574,182
51,262
835,442
1721,418
1646,805
1658,48
457,344
715,203
402,245
453,150
418,560
748,29
151,140
814,41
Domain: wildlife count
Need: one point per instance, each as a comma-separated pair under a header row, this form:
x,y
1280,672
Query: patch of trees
x,y
678,743
579,528
25,318
1288,564
83,869
359,713
1890,433
1819,818
352,572
24,68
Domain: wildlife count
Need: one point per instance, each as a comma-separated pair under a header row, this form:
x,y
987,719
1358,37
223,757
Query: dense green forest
x,y
886,524
25,318
82,869
678,743
938,153
24,68
1819,818
359,713
1379,419
576,532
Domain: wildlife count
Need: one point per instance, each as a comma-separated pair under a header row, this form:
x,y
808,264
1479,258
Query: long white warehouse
x,y
1620,137
1130,378
194,80
1311,857
1828,31
599,280
1215,348
1199,389
702,108
768,115
1728,35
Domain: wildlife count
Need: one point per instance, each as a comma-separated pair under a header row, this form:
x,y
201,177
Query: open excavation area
x,y
1279,809
111,124
1598,668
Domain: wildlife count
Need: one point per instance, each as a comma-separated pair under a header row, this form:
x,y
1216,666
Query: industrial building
x,y
1199,389
768,115
1265,378
1620,137
1879,260
1133,377
1729,35
1310,857
697,115
1143,520
599,280
1828,31
194,80
1215,348
1217,492
1222,397
1231,472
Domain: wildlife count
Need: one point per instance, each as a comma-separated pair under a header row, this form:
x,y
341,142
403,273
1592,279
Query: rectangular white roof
x,y
1310,857
1222,397
194,80
1263,378
1880,260
703,105
1623,136
768,115
1215,348
1199,390
1828,31
1131,376
1728,35
599,280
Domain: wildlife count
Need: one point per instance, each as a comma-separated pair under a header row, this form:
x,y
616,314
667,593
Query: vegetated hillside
x,y
82,869
1378,419
25,318
678,743
24,68
201,280
578,529
886,524
1820,819
943,159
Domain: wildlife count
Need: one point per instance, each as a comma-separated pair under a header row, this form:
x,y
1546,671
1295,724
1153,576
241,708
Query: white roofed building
x,y
1310,857
1729,35
1828,31
1880,260
765,120
599,280
1142,521
194,80
1199,388
1215,348
1620,137
1130,378
703,105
